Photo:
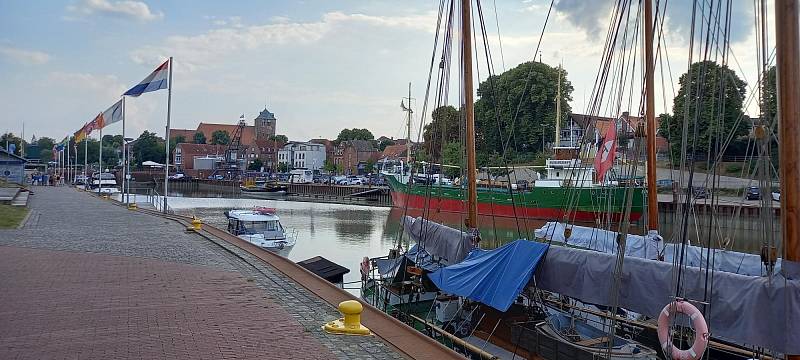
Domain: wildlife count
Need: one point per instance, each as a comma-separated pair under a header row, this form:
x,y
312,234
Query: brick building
x,y
353,155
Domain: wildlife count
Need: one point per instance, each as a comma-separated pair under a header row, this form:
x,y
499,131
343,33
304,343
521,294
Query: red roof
x,y
186,133
248,133
394,151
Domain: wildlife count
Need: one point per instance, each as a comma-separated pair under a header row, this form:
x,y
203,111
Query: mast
x,y
408,127
558,110
469,113
649,113
788,86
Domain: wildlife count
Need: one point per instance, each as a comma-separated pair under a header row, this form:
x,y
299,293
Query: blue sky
x,y
318,65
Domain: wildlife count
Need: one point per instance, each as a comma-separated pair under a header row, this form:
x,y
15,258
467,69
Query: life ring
x,y
364,268
700,329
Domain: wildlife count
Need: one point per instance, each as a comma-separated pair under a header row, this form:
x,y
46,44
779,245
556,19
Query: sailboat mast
x,y
558,109
469,113
649,113
787,51
408,127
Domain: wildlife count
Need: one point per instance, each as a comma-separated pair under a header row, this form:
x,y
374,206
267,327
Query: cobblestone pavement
x,y
86,279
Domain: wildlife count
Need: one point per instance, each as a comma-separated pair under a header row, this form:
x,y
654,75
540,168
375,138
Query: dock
x,y
84,277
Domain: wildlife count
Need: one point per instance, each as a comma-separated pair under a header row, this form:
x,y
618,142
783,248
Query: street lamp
x,y
126,182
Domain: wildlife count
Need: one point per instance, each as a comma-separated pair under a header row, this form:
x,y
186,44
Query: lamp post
x,y
127,180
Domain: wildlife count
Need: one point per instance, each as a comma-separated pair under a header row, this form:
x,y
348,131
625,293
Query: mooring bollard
x,y
132,206
350,324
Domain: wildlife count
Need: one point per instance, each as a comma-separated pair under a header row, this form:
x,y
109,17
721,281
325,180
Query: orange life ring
x,y
700,329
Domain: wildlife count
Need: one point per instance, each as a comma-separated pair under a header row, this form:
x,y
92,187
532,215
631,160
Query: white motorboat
x,y
261,227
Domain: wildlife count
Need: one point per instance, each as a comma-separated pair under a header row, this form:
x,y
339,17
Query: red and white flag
x,y
604,159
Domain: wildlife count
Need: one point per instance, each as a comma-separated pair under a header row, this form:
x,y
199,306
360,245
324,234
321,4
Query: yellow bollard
x,y
132,206
196,224
350,324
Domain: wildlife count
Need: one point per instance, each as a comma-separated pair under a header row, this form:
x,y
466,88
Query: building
x,y
589,129
355,154
265,125
263,129
330,148
302,155
394,153
12,167
189,157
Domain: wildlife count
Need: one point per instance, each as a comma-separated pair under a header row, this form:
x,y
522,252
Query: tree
x,y
354,134
384,143
220,137
93,154
199,138
45,143
283,167
10,138
149,147
443,128
709,120
173,142
452,154
279,138
255,165
503,123
329,166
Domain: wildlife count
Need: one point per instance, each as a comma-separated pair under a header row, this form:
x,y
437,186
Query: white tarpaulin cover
x,y
448,244
649,247
750,310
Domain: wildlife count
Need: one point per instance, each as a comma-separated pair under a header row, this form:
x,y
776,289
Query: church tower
x,y
265,125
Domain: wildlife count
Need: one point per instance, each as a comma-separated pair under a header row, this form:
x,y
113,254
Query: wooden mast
x,y
788,86
787,52
408,128
472,171
558,110
649,114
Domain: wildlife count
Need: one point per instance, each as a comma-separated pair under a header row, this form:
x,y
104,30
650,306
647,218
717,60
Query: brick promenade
x,y
137,287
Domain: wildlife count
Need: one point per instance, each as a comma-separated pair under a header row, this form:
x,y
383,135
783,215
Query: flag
x,y
157,80
241,117
111,115
80,134
94,124
604,159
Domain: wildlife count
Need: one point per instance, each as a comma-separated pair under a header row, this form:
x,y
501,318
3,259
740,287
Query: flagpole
x,y
123,152
85,161
100,178
166,138
67,176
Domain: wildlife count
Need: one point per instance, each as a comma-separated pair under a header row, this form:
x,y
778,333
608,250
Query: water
x,y
345,234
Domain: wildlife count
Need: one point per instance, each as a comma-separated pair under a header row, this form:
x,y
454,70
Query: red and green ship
x,y
547,203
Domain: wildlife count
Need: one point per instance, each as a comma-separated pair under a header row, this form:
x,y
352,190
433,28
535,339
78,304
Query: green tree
x,y
329,166
283,167
255,165
354,134
369,167
93,153
501,118
452,154
199,138
45,143
149,147
708,118
10,138
279,138
383,144
220,137
443,129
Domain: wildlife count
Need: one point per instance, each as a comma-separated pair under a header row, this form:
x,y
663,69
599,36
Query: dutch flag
x,y
157,80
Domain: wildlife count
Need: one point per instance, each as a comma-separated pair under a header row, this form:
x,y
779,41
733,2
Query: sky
x,y
320,66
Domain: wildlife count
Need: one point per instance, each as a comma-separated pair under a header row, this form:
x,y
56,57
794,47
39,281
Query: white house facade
x,y
302,155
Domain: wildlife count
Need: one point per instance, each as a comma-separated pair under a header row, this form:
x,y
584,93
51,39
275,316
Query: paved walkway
x,y
85,279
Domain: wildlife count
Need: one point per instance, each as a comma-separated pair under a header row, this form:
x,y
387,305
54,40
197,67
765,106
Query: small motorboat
x,y
261,227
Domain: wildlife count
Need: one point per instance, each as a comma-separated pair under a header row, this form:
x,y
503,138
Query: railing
x,y
157,201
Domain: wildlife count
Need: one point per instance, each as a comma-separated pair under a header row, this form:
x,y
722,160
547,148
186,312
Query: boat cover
x,y
493,277
750,310
441,241
649,247
413,257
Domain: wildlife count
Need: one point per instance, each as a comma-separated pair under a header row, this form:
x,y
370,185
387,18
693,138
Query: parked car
x,y
178,176
776,195
354,180
700,192
216,177
753,193
665,183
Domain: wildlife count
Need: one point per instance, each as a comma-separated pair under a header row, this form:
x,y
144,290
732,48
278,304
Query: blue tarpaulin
x,y
494,277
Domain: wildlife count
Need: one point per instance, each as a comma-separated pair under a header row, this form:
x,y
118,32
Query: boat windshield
x,y
257,227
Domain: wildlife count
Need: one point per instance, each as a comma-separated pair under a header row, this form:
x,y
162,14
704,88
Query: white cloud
x,y
136,10
24,56
201,51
